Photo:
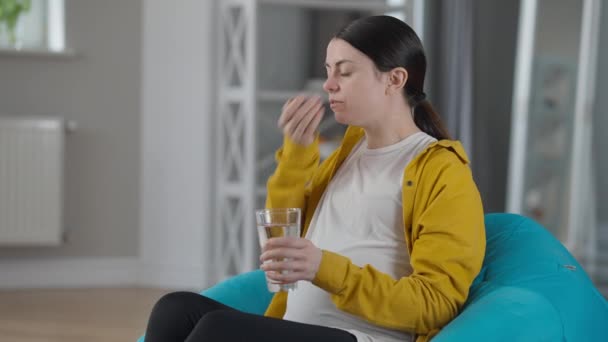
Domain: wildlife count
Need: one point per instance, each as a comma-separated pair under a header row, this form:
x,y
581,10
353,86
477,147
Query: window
x,y
397,13
42,27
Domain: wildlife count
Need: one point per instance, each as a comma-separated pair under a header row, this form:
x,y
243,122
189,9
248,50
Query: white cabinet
x,y
268,51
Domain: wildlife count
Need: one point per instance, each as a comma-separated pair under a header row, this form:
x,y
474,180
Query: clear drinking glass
x,y
278,222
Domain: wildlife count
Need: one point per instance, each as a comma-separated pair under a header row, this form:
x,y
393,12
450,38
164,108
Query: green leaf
x,y
9,5
11,21
10,11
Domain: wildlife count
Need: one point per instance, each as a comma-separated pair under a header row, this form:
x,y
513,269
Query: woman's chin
x,y
341,118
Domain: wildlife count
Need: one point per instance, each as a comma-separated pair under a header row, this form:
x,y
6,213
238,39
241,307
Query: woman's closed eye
x,y
338,72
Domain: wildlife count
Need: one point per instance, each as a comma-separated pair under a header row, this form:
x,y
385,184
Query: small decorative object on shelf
x,y
10,12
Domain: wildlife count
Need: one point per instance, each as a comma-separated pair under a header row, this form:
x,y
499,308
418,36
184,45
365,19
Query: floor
x,y
83,315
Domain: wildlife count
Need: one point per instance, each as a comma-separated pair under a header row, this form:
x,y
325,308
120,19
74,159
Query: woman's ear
x,y
397,78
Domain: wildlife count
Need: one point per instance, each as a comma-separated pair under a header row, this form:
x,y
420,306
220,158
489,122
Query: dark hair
x,y
391,43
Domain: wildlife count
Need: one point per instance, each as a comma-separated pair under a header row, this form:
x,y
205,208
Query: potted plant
x,y
10,11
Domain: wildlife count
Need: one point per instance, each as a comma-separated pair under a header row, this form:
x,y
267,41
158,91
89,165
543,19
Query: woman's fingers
x,y
284,265
298,115
280,278
290,259
314,123
290,108
284,271
281,253
285,278
300,130
305,109
285,241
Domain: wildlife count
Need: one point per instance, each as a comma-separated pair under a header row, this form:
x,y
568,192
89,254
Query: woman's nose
x,y
330,85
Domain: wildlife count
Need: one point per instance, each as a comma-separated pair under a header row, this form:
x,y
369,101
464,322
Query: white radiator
x,y
31,181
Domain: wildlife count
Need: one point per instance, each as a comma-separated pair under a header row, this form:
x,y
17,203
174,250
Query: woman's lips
x,y
336,104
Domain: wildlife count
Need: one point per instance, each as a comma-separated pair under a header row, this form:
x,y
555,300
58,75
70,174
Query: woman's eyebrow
x,y
342,61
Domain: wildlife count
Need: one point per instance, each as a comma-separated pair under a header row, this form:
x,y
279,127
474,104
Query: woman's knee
x,y
174,303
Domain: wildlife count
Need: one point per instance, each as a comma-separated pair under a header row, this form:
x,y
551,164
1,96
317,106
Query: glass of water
x,y
278,222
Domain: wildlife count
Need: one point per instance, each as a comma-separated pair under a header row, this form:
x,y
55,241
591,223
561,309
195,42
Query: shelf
x,y
276,95
272,76
337,4
44,53
260,190
266,161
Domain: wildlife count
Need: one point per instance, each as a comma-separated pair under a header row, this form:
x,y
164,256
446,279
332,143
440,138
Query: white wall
x,y
177,117
140,166
99,89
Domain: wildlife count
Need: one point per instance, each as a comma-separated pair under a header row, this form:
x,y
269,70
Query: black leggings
x,y
187,316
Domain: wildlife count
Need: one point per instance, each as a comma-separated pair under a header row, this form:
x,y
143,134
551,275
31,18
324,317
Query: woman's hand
x,y
298,256
300,118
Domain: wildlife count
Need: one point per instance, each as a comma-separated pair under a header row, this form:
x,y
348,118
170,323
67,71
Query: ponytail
x,y
427,119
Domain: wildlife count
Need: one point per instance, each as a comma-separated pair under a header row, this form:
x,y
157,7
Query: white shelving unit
x,y
266,55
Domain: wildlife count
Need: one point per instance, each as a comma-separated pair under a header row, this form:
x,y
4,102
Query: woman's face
x,y
357,90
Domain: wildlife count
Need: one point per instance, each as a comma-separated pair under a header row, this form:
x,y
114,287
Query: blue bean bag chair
x,y
529,289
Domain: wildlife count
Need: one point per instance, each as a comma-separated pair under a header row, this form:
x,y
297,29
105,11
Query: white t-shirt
x,y
360,216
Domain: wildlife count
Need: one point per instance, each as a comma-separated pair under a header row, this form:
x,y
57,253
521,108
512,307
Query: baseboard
x,y
99,272
68,272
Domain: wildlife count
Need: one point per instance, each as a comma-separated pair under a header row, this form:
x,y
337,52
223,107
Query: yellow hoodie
x,y
444,231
